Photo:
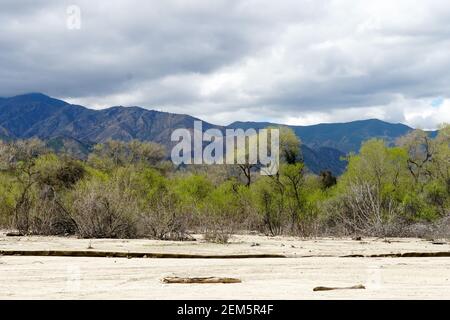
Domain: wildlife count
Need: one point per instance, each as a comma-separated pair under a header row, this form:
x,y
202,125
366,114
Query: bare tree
x,y
420,149
366,212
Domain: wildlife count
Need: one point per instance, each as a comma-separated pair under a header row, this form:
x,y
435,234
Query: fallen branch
x,y
357,287
14,234
202,280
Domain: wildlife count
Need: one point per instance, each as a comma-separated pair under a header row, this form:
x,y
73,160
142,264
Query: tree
x,y
114,153
19,159
145,152
370,191
292,179
420,150
437,188
290,151
378,165
441,160
327,179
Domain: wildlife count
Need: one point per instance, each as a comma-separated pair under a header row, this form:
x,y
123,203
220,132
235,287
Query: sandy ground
x,y
309,263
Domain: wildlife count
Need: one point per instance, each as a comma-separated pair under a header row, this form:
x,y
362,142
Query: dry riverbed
x,y
307,264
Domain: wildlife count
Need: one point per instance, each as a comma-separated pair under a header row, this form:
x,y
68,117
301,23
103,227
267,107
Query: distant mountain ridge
x,y
37,115
78,127
346,137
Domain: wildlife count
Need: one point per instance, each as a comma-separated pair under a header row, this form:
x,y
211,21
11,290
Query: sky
x,y
297,62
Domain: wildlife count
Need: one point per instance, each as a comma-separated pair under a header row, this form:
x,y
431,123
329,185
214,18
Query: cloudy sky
x,y
296,62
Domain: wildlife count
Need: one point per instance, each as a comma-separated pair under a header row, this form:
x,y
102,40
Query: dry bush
x,y
274,215
424,230
441,229
103,210
363,210
252,221
217,235
309,226
217,227
39,211
21,218
47,216
164,219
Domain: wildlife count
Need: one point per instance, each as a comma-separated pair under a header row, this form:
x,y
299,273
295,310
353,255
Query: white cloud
x,y
426,116
300,62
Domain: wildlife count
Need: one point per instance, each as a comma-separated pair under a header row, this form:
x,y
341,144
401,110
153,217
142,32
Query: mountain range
x,y
75,128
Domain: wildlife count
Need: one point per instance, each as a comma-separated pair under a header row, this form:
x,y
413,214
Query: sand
x,y
308,264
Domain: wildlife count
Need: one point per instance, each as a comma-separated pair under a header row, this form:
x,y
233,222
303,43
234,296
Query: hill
x,y
76,128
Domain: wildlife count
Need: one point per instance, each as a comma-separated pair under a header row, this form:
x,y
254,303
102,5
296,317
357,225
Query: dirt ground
x,y
308,264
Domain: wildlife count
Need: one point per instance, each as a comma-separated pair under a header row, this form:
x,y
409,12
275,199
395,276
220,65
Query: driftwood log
x,y
201,280
359,286
14,234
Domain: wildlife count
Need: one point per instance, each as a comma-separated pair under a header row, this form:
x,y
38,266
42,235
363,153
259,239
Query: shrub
x,y
416,209
221,213
48,217
363,210
163,218
102,210
436,195
217,233
271,207
8,194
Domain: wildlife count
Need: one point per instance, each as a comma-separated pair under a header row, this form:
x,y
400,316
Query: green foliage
x,y
59,172
9,192
114,153
290,151
416,208
129,190
192,189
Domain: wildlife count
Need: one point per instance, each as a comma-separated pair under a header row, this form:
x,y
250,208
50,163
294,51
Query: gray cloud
x,y
287,61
